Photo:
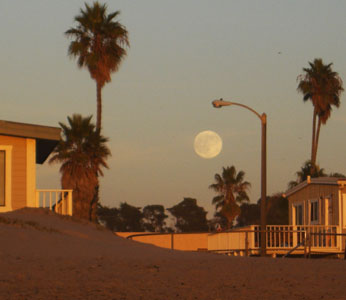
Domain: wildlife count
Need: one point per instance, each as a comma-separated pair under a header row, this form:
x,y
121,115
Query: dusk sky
x,y
183,55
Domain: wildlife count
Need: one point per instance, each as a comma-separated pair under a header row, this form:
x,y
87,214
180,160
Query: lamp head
x,y
217,103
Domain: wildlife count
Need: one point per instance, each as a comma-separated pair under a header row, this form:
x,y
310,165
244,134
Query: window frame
x,y
8,177
314,211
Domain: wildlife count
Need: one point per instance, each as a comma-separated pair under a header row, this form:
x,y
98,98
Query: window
x,y
299,214
2,178
314,211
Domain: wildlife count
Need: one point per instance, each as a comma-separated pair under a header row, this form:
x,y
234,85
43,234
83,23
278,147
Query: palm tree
x,y
232,190
99,44
82,152
323,87
307,169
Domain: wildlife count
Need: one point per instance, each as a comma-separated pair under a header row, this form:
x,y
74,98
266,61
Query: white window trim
x,y
8,178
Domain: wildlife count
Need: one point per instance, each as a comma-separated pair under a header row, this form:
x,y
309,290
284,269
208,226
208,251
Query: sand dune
x,y
46,256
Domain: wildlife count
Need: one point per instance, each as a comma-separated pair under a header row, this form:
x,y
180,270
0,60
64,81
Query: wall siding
x,y
18,169
312,192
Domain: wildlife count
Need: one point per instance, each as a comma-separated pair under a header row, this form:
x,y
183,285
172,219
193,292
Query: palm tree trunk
x,y
316,140
313,135
99,106
93,204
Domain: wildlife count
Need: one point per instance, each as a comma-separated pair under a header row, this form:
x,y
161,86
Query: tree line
x,y
187,216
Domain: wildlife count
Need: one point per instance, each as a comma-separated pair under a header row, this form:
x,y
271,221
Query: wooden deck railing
x,y
288,236
319,238
60,201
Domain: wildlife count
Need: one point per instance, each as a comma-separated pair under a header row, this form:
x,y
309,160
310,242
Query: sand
x,y
46,256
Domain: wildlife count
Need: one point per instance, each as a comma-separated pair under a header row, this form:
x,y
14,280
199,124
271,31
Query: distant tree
x,y
109,217
154,218
130,218
99,44
250,214
82,152
277,210
336,174
189,216
218,222
323,87
232,190
307,169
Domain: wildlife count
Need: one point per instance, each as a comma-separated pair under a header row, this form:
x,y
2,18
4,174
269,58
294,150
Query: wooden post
x,y
309,239
70,203
305,245
172,241
246,244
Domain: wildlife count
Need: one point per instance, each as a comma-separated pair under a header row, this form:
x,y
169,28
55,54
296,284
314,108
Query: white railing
x,y
317,238
288,236
60,201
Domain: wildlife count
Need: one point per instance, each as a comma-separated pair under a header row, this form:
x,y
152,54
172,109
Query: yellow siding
x,y
314,192
18,193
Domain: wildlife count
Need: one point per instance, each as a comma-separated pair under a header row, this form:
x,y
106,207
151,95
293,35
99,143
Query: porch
x,y
280,239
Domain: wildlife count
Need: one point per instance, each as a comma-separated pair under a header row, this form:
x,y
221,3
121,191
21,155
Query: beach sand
x,y
47,256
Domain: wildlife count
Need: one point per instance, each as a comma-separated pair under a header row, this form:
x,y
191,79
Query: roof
x,y
46,137
317,180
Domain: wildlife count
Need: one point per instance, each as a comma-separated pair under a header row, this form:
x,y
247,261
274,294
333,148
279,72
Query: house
x,y
318,201
22,146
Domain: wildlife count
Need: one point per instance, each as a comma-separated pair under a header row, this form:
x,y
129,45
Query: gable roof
x,y
46,137
317,180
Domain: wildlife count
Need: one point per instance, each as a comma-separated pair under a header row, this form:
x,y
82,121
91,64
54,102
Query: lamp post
x,y
263,118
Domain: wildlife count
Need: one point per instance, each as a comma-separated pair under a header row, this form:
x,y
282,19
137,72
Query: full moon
x,y
208,144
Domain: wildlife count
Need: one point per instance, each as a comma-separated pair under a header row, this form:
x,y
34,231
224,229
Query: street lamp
x,y
263,118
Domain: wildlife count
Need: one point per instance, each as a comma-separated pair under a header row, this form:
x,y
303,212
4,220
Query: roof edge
x,y
317,180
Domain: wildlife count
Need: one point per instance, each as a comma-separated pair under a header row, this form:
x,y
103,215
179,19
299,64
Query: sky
x,y
182,55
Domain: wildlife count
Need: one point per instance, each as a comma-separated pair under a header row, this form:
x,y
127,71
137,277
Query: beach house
x,y
318,201
22,146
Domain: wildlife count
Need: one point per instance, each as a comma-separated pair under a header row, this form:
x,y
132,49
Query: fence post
x,y
246,244
295,233
172,241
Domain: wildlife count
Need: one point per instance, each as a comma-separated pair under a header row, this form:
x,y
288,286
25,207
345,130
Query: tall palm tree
x,y
232,190
323,87
99,44
82,152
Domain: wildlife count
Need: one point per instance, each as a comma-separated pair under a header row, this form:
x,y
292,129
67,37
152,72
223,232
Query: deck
x,y
280,240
